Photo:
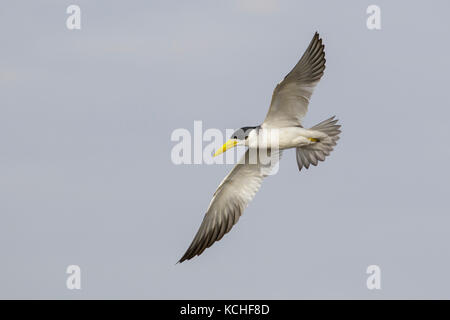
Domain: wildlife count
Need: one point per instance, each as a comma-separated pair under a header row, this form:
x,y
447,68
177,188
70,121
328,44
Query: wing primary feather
x,y
291,96
227,205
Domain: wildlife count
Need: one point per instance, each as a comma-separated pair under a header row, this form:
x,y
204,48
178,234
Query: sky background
x,y
86,176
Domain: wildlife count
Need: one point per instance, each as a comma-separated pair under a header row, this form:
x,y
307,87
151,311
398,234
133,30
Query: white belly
x,y
282,138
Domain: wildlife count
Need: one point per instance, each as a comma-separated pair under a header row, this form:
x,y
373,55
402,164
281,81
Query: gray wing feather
x,y
291,97
229,201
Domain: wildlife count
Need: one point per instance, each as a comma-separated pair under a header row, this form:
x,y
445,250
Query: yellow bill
x,y
228,145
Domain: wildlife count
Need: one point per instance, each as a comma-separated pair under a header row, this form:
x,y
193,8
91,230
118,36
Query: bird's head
x,y
238,138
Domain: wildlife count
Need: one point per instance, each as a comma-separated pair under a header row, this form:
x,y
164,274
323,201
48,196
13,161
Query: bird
x,y
288,107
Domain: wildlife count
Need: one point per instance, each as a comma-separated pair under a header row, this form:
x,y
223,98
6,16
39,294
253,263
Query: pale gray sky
x,y
85,170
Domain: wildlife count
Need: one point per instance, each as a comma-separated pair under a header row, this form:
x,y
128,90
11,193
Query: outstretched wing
x,y
230,199
290,98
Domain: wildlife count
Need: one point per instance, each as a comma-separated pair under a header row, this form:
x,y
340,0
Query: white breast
x,y
281,138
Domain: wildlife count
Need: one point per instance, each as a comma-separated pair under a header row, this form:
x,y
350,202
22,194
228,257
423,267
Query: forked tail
x,y
316,152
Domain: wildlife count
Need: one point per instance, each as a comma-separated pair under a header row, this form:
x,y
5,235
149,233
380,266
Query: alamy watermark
x,y
211,146
73,22
74,279
374,279
373,21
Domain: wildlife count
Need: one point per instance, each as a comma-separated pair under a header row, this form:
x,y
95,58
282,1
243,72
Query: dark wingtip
x,y
184,258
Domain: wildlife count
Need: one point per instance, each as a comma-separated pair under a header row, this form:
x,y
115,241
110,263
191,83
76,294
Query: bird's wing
x,y
290,98
230,199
